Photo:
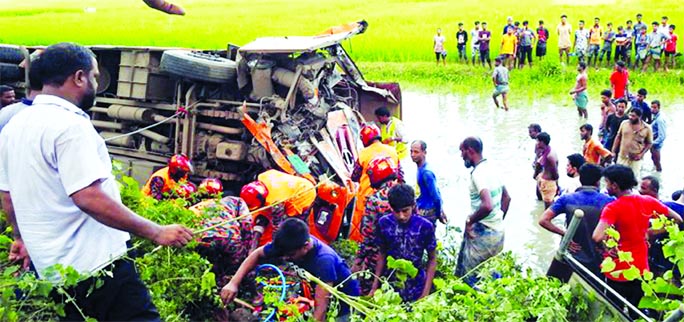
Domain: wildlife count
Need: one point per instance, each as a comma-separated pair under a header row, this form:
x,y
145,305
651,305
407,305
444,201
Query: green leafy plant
x,y
401,269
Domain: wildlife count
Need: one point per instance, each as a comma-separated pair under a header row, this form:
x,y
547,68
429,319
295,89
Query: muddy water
x,y
444,120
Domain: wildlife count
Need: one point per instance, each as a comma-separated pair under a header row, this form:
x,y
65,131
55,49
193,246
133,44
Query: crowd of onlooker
x,y
631,43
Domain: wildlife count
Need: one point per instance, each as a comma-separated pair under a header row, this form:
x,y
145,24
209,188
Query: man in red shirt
x,y
671,49
630,214
619,80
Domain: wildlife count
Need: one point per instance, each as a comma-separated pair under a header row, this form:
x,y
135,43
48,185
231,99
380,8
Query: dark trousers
x,y
462,52
563,272
525,53
122,297
631,291
484,56
622,53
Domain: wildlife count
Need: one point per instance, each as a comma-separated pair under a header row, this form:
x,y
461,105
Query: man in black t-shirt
x,y
461,41
613,122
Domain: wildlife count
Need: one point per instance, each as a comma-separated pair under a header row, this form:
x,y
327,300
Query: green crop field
x,y
399,30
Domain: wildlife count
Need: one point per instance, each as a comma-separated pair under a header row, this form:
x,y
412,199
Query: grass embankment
x,y
546,79
397,45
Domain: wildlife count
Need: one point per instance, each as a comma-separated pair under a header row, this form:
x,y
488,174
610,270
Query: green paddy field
x,y
397,45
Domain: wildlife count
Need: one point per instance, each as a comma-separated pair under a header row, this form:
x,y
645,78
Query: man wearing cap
x,y
293,243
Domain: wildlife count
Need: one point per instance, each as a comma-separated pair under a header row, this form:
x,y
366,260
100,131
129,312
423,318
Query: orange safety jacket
x,y
375,150
169,183
295,194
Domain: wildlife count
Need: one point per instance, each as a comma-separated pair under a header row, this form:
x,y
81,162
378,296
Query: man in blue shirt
x,y
429,201
588,199
293,242
641,104
659,133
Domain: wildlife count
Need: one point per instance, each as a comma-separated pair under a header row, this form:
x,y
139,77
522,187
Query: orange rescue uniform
x,y
169,184
375,150
281,186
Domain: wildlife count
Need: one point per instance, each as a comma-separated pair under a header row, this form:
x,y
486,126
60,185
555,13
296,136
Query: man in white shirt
x,y
438,46
484,232
61,198
475,44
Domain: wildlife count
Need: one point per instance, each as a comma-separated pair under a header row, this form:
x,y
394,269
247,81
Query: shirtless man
x,y
634,138
579,93
547,180
534,129
607,108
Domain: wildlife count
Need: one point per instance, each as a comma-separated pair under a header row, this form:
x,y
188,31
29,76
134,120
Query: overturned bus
x,y
291,103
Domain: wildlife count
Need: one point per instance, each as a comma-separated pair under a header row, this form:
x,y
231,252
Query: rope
x,y
145,128
181,111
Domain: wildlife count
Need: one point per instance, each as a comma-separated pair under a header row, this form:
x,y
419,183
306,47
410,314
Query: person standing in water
x,y
579,93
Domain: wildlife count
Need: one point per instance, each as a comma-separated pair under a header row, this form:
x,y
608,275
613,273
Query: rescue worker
x,y
382,173
211,186
163,183
226,244
373,148
288,195
392,131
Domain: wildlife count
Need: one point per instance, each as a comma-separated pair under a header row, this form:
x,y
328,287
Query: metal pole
x,y
563,255
569,233
568,257
676,315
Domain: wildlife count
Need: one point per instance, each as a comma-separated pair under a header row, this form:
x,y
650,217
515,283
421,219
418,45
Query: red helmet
x,y
180,164
254,194
380,170
369,132
186,190
212,186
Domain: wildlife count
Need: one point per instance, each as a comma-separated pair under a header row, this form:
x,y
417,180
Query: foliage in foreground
x,y
181,282
183,287
662,294
504,291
